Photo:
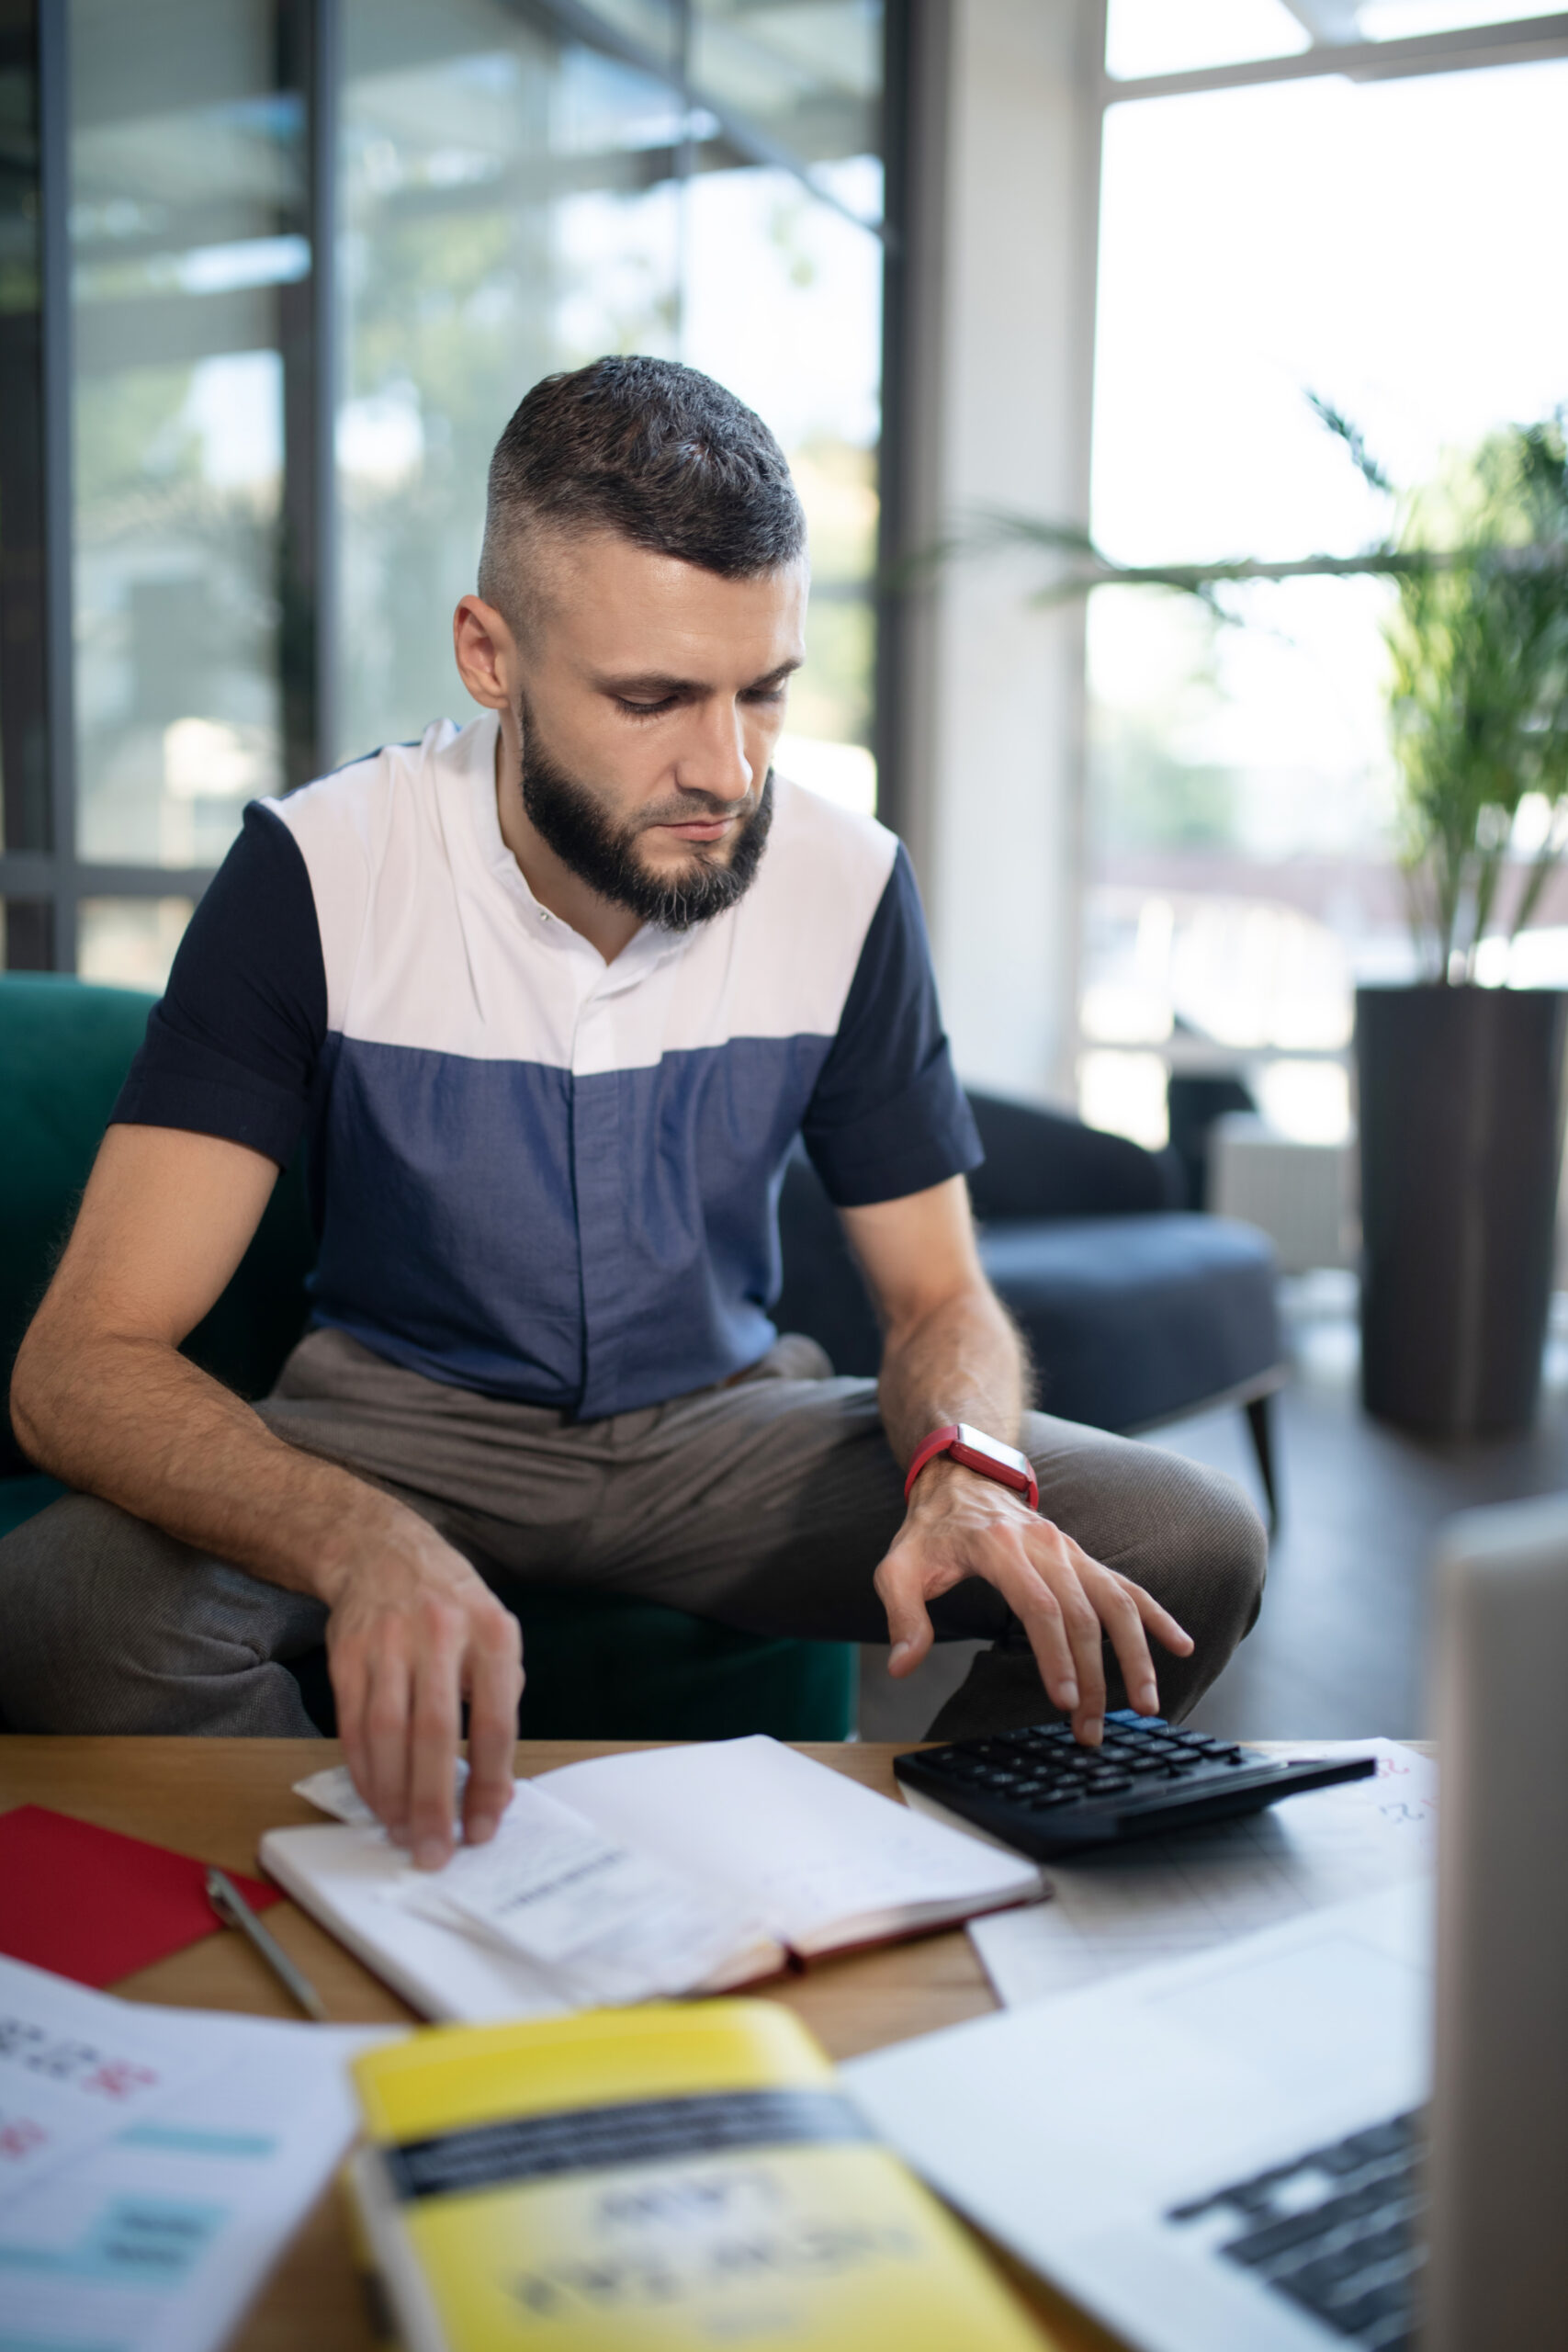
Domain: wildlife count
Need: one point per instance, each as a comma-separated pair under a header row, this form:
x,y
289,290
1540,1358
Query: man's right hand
x,y
412,1633
101,1397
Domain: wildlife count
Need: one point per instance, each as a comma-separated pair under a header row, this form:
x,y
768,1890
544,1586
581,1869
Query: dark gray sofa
x,y
1136,1311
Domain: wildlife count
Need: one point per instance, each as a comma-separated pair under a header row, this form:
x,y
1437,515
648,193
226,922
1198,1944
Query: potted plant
x,y
1461,1082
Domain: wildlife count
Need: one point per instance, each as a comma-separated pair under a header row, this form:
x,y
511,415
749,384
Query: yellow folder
x,y
653,2179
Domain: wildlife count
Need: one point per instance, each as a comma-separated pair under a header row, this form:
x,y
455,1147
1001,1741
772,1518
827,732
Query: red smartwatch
x,y
978,1452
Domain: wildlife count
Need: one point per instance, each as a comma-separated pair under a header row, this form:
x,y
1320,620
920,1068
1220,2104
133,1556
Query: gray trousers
x,y
765,1503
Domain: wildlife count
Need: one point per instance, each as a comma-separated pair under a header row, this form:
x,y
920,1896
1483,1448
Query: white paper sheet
x,y
332,1792
75,2068
1160,1898
614,1925
155,2238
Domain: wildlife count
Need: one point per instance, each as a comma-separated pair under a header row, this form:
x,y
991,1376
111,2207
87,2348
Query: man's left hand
x,y
961,1524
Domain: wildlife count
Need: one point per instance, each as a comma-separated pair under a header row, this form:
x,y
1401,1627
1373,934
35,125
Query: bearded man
x,y
551,997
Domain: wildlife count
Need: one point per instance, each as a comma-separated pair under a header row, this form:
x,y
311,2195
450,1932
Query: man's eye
x,y
646,709
765,695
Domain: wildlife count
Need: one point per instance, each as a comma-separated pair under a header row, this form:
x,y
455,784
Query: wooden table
x,y
213,1798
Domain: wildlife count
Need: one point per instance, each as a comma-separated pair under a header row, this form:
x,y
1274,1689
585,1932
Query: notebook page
x,y
821,1859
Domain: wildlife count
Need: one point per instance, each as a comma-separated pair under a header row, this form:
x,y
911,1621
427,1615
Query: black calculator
x,y
1041,1790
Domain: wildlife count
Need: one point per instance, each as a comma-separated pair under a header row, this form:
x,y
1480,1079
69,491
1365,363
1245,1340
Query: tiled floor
x,y
1339,1651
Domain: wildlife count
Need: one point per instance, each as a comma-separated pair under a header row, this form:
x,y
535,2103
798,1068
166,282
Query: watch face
x,y
1007,1457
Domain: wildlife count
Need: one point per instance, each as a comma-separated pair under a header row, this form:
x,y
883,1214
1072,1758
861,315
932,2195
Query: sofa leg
x,y
1260,1421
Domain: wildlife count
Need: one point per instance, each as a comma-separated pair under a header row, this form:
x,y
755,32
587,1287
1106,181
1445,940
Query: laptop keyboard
x,y
1335,2232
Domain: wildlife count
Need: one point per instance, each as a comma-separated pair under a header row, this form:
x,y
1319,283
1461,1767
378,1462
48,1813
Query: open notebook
x,y
675,1870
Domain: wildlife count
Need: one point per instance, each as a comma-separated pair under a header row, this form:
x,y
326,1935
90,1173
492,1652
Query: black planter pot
x,y
1461,1140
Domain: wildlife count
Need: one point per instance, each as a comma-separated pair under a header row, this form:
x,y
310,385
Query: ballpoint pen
x,y
232,1908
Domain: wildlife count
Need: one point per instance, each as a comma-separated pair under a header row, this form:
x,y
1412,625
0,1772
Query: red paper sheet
x,y
92,1905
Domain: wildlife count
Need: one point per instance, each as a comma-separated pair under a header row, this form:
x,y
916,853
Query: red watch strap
x,y
949,1440
927,1450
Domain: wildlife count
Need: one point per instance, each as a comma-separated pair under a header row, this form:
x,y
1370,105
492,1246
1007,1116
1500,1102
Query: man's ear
x,y
486,653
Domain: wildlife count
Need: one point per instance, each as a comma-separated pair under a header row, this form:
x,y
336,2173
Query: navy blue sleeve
x,y
233,1047
887,1117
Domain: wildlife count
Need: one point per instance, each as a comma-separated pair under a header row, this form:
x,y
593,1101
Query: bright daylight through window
x,y
1259,244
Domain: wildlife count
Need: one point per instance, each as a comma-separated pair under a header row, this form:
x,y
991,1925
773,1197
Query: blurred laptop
x,y
1286,2144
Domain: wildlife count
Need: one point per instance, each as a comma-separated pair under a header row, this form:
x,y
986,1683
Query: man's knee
x,y
109,1625
1216,1546
1186,1533
1205,1558
81,1595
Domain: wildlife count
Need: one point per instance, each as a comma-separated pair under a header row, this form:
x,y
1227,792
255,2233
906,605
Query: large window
x,y
1377,225
187,239
514,202
303,259
27,912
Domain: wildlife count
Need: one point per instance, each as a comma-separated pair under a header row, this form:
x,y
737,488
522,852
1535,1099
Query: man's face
x,y
650,695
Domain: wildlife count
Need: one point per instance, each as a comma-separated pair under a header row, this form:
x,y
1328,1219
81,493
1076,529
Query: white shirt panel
x,y
432,939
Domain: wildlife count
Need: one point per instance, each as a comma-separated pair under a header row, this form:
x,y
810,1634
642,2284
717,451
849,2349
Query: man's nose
x,y
713,759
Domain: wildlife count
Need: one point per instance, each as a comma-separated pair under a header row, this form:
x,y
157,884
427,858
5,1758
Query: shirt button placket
x,y
599,1179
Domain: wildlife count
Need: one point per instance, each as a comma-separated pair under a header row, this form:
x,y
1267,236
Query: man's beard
x,y
569,819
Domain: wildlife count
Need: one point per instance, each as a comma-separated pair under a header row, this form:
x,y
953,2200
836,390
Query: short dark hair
x,y
646,447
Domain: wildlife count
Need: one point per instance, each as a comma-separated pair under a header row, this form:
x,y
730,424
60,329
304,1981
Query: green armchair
x,y
599,1668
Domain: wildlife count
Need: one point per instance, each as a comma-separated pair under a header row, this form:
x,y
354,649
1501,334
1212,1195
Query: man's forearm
x,y
102,1397
950,1354
963,1361
134,1421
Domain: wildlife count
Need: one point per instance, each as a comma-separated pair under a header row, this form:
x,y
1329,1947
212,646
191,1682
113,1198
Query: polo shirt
x,y
533,1173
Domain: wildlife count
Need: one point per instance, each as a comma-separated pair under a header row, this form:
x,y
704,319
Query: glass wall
x,y
514,202
509,207
784,302
23,763
187,233
277,447
1243,874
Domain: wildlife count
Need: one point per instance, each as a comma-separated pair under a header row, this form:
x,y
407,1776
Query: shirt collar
x,y
643,953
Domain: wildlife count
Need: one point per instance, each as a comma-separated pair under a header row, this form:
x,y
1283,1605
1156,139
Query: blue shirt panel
x,y
512,1229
